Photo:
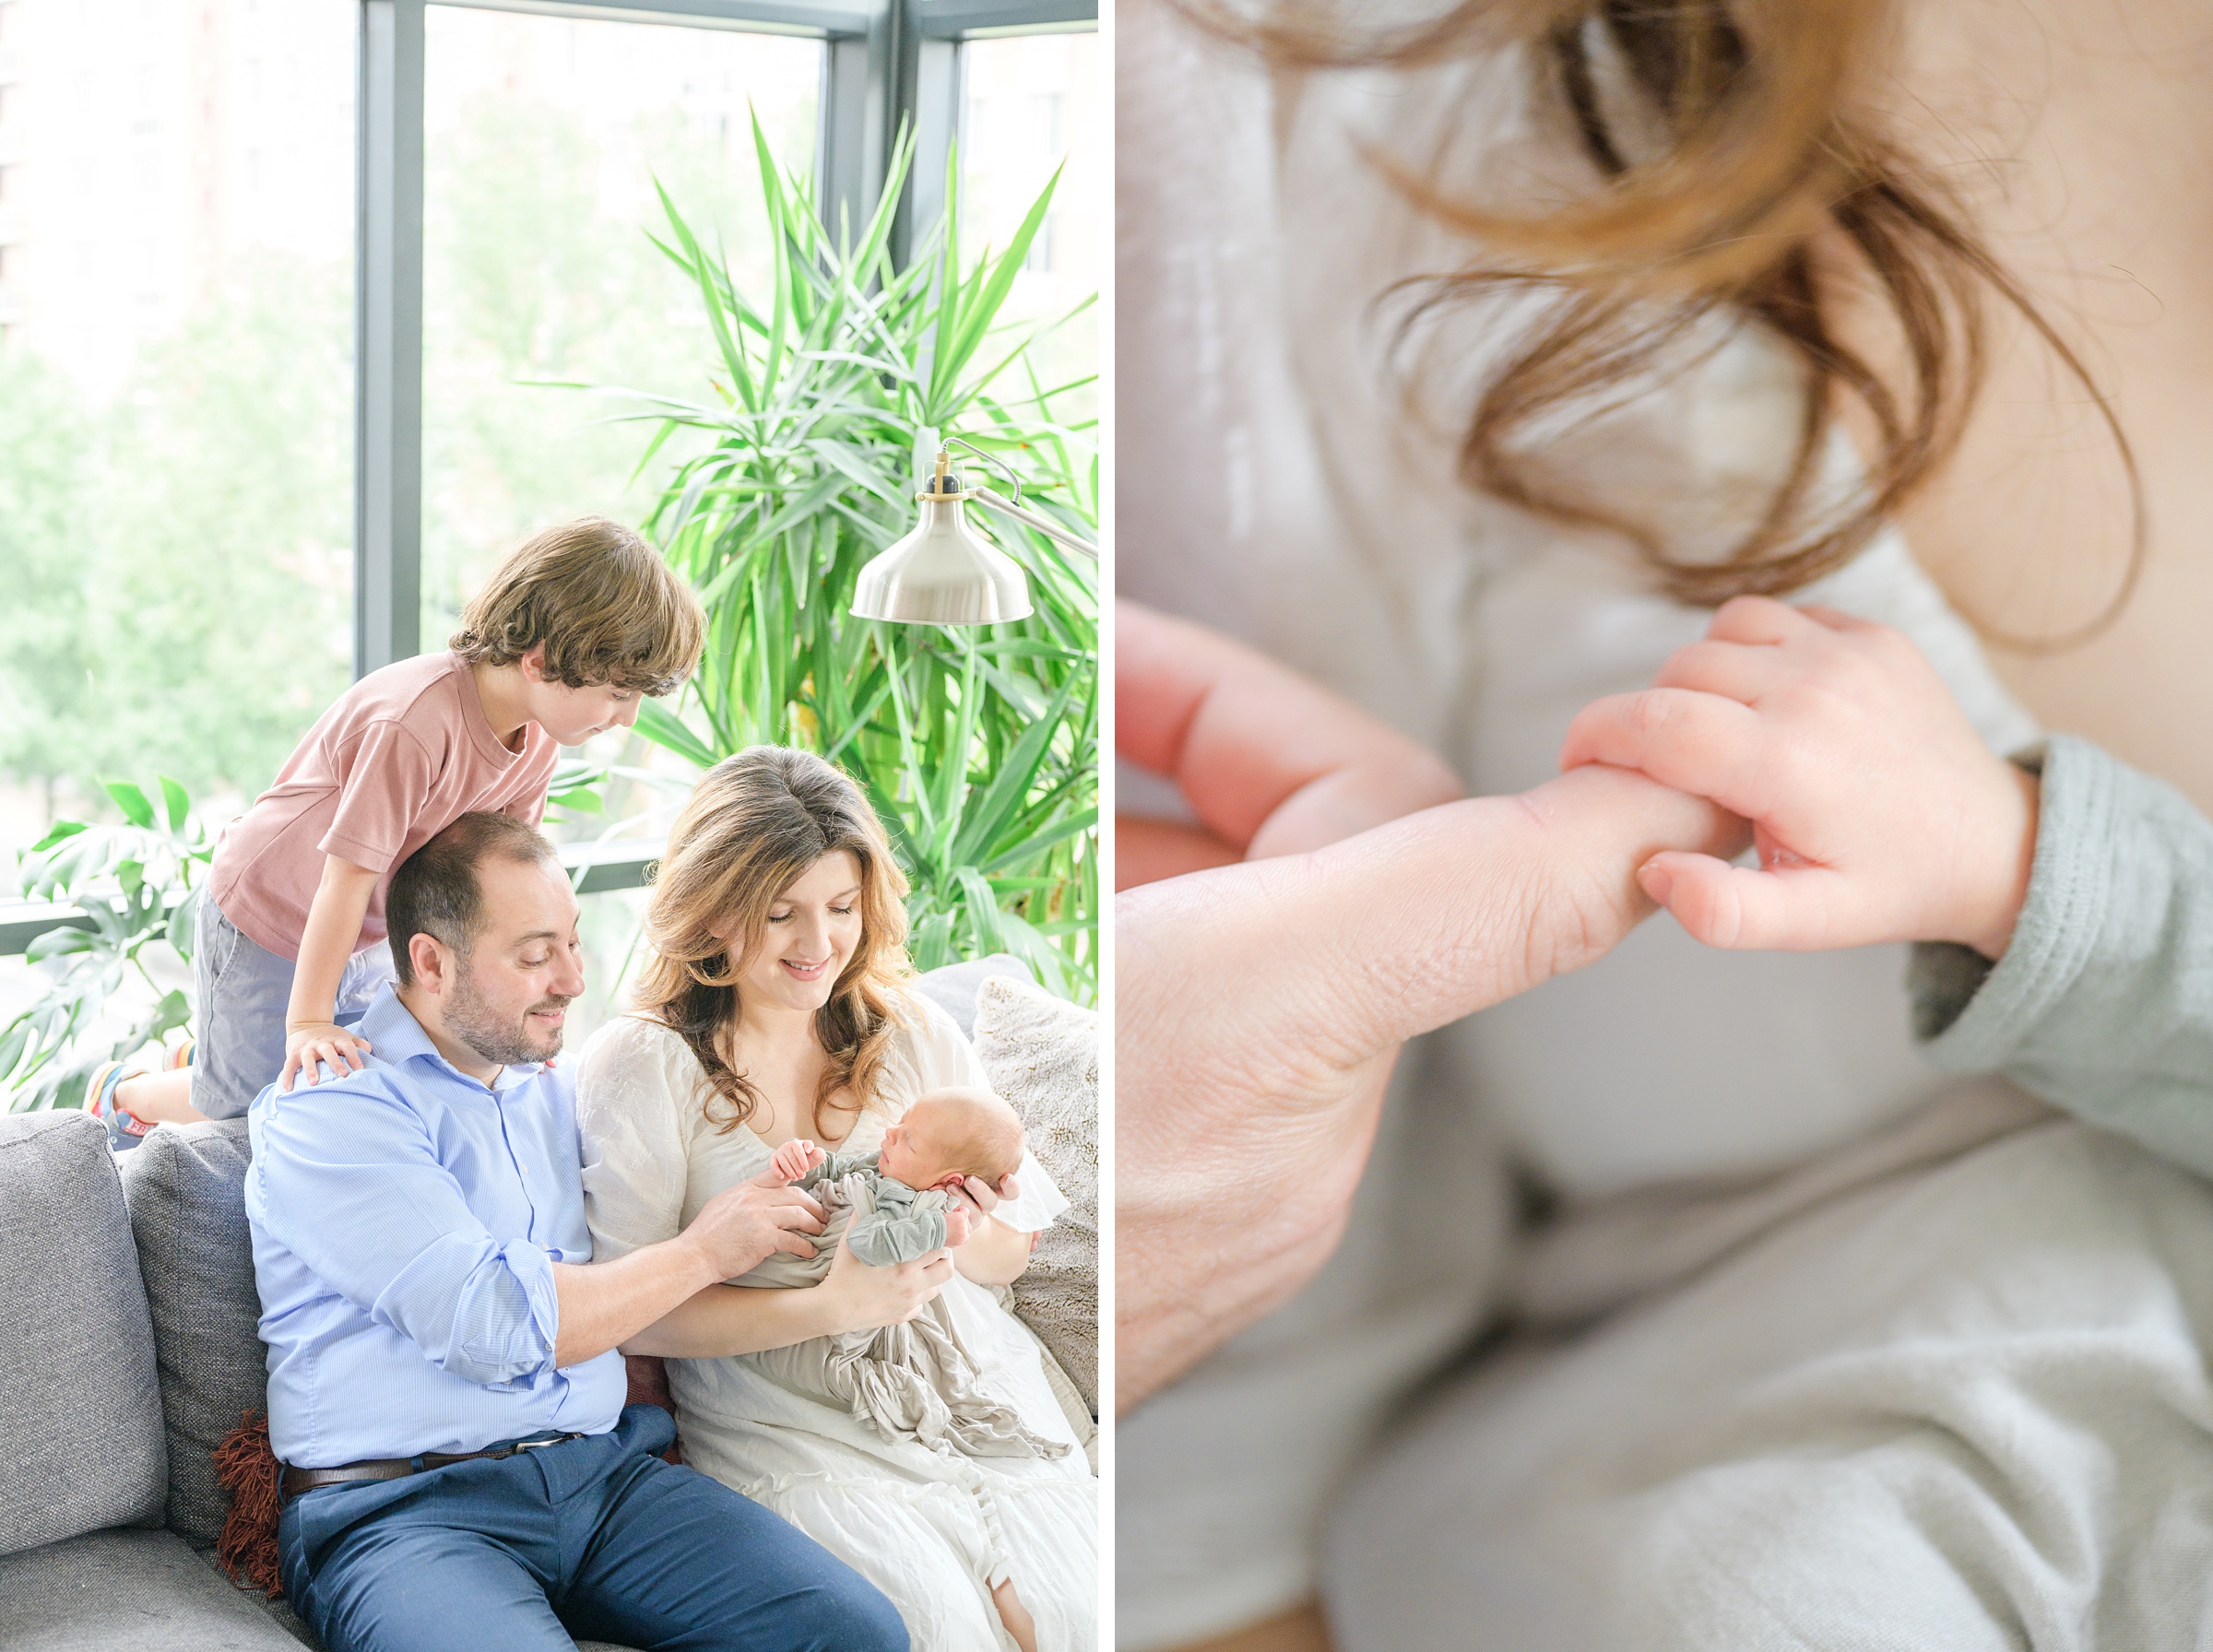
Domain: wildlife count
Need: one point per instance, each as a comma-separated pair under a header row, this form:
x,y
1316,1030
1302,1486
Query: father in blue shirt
x,y
445,1388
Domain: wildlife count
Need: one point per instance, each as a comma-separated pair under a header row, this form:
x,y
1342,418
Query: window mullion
x,y
388,516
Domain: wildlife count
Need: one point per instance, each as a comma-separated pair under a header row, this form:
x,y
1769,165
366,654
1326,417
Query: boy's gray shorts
x,y
241,991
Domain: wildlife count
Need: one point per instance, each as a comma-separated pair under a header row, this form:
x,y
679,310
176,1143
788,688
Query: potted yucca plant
x,y
978,747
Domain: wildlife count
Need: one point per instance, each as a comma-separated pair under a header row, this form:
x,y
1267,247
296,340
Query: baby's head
x,y
951,1133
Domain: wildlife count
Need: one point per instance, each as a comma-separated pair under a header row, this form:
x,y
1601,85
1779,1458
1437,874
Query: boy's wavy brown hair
x,y
1741,170
599,599
757,822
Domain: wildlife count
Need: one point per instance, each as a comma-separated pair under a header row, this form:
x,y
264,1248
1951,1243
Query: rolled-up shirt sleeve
x,y
350,1182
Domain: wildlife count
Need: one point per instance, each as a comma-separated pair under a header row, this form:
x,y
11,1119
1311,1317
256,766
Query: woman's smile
x,y
807,936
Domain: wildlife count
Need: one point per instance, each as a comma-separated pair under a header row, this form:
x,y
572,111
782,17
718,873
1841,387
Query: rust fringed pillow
x,y
649,1385
246,1467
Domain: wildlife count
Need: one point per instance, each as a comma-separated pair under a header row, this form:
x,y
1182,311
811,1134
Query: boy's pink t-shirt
x,y
403,755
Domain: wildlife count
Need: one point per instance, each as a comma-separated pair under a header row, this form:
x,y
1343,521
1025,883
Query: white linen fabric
x,y
1279,487
935,1532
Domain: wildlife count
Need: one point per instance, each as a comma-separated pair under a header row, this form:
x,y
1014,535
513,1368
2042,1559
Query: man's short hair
x,y
435,891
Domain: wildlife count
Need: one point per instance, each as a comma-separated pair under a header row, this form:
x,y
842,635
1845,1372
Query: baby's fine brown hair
x,y
984,1138
607,610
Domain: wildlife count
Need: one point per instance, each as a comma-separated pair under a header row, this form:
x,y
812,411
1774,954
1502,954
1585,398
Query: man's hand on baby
x,y
742,1226
1878,813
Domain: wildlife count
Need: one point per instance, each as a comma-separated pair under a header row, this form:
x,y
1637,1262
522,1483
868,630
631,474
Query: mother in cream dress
x,y
774,1011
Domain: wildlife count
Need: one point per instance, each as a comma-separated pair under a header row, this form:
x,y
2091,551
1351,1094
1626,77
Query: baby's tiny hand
x,y
795,1159
1878,813
956,1224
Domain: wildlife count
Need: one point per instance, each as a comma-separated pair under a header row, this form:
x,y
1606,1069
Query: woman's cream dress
x,y
934,1532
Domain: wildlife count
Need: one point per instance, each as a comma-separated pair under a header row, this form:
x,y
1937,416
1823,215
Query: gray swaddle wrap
x,y
911,1381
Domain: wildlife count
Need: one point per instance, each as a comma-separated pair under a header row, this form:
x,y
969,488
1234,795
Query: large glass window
x,y
176,424
1031,103
544,140
178,315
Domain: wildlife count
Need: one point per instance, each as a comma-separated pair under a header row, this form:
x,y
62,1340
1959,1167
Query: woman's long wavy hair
x,y
1756,184
755,824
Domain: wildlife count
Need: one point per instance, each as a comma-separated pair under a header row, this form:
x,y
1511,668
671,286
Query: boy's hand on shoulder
x,y
1878,813
312,1046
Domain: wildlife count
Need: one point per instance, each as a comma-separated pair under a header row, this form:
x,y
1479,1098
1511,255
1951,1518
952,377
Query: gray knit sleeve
x,y
2103,1001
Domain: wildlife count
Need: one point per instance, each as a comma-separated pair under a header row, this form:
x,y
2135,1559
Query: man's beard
x,y
477,1025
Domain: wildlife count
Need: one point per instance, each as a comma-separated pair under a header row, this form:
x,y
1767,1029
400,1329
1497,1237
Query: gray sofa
x,y
127,1317
127,1304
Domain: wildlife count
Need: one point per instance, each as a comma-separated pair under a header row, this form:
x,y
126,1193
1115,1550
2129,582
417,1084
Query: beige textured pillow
x,y
1042,1055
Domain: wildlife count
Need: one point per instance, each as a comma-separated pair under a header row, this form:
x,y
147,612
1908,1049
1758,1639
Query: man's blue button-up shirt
x,y
406,1225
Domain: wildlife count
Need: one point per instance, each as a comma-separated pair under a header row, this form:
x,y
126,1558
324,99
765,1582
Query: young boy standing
x,y
574,628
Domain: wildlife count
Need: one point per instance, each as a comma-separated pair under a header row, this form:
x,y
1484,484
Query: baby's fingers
x,y
1793,909
1694,742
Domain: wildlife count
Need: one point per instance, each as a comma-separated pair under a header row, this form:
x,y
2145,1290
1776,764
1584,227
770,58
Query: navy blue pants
x,y
595,1538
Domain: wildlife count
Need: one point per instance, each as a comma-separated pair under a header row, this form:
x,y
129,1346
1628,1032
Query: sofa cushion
x,y
78,1405
952,987
1042,1055
185,1186
126,1591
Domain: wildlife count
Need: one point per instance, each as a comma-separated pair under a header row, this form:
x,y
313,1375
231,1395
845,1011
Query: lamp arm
x,y
1051,530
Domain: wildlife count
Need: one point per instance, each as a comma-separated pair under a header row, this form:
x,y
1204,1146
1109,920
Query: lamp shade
x,y
943,574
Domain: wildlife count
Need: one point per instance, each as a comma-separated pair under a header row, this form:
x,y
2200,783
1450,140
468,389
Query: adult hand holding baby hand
x,y
1879,814
1260,1006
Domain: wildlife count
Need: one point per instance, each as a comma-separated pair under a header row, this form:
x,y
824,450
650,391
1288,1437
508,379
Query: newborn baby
x,y
946,1137
916,1380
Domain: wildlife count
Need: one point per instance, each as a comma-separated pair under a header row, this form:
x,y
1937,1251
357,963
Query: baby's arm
x,y
889,1235
1271,763
334,924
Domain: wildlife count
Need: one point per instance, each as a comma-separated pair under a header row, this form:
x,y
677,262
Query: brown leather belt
x,y
296,1481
